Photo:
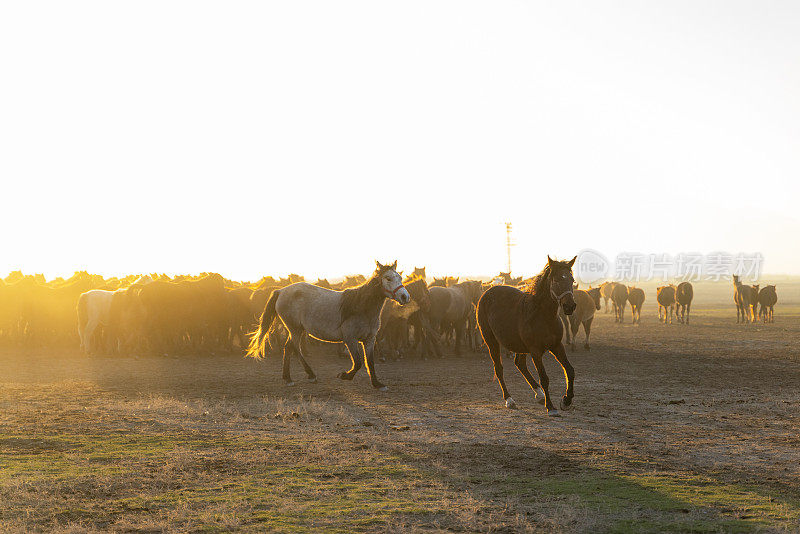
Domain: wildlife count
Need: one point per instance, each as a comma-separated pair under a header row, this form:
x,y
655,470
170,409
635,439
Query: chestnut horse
x,y
527,323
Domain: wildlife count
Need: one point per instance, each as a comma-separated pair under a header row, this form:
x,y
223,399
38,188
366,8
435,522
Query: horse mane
x,y
537,286
357,299
538,289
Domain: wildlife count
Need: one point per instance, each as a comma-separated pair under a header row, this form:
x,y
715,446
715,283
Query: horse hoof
x,y
563,406
289,384
383,388
587,347
343,376
510,404
553,413
312,379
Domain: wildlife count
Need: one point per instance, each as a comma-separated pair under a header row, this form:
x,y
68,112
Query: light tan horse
x,y
665,295
636,298
754,290
351,316
587,302
619,297
741,297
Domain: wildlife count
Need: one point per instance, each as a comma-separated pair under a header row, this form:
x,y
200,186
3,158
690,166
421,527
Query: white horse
x,y
94,310
351,316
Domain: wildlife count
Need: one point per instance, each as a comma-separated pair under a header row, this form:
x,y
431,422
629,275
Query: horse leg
x,y
497,359
561,356
688,312
544,381
88,335
587,327
369,349
287,348
520,360
458,330
354,348
309,372
575,325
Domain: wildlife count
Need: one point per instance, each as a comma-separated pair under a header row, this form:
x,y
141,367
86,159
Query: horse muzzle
x,y
403,297
568,303
400,295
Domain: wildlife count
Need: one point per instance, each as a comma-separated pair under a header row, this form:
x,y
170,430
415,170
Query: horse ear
x,y
394,265
378,264
549,261
572,262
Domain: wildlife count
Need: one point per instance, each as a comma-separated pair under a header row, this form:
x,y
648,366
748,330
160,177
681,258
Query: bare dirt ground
x,y
675,428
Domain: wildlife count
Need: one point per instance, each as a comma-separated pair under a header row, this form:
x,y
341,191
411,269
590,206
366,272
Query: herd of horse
x,y
384,315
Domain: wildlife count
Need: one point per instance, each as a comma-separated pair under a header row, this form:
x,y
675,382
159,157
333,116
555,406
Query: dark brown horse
x,y
767,298
684,294
527,323
741,297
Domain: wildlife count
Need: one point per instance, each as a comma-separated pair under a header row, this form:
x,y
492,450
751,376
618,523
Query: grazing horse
x,y
606,289
684,294
351,316
741,297
636,298
586,302
619,297
767,298
527,323
665,295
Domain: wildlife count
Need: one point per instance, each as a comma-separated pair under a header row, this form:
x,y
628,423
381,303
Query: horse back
x,y
499,311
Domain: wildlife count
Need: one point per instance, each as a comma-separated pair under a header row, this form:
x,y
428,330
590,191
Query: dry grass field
x,y
675,428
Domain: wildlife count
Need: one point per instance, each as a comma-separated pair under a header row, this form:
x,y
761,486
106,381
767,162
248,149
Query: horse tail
x,y
83,316
258,338
484,328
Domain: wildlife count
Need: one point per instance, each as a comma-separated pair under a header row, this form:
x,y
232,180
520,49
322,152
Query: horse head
x,y
392,283
561,281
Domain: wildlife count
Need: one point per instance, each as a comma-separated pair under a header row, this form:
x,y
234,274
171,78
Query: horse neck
x,y
371,294
542,302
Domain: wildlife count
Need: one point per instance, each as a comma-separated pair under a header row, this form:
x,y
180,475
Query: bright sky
x,y
257,138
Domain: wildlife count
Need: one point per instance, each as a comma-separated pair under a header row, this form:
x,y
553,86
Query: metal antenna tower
x,y
509,244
